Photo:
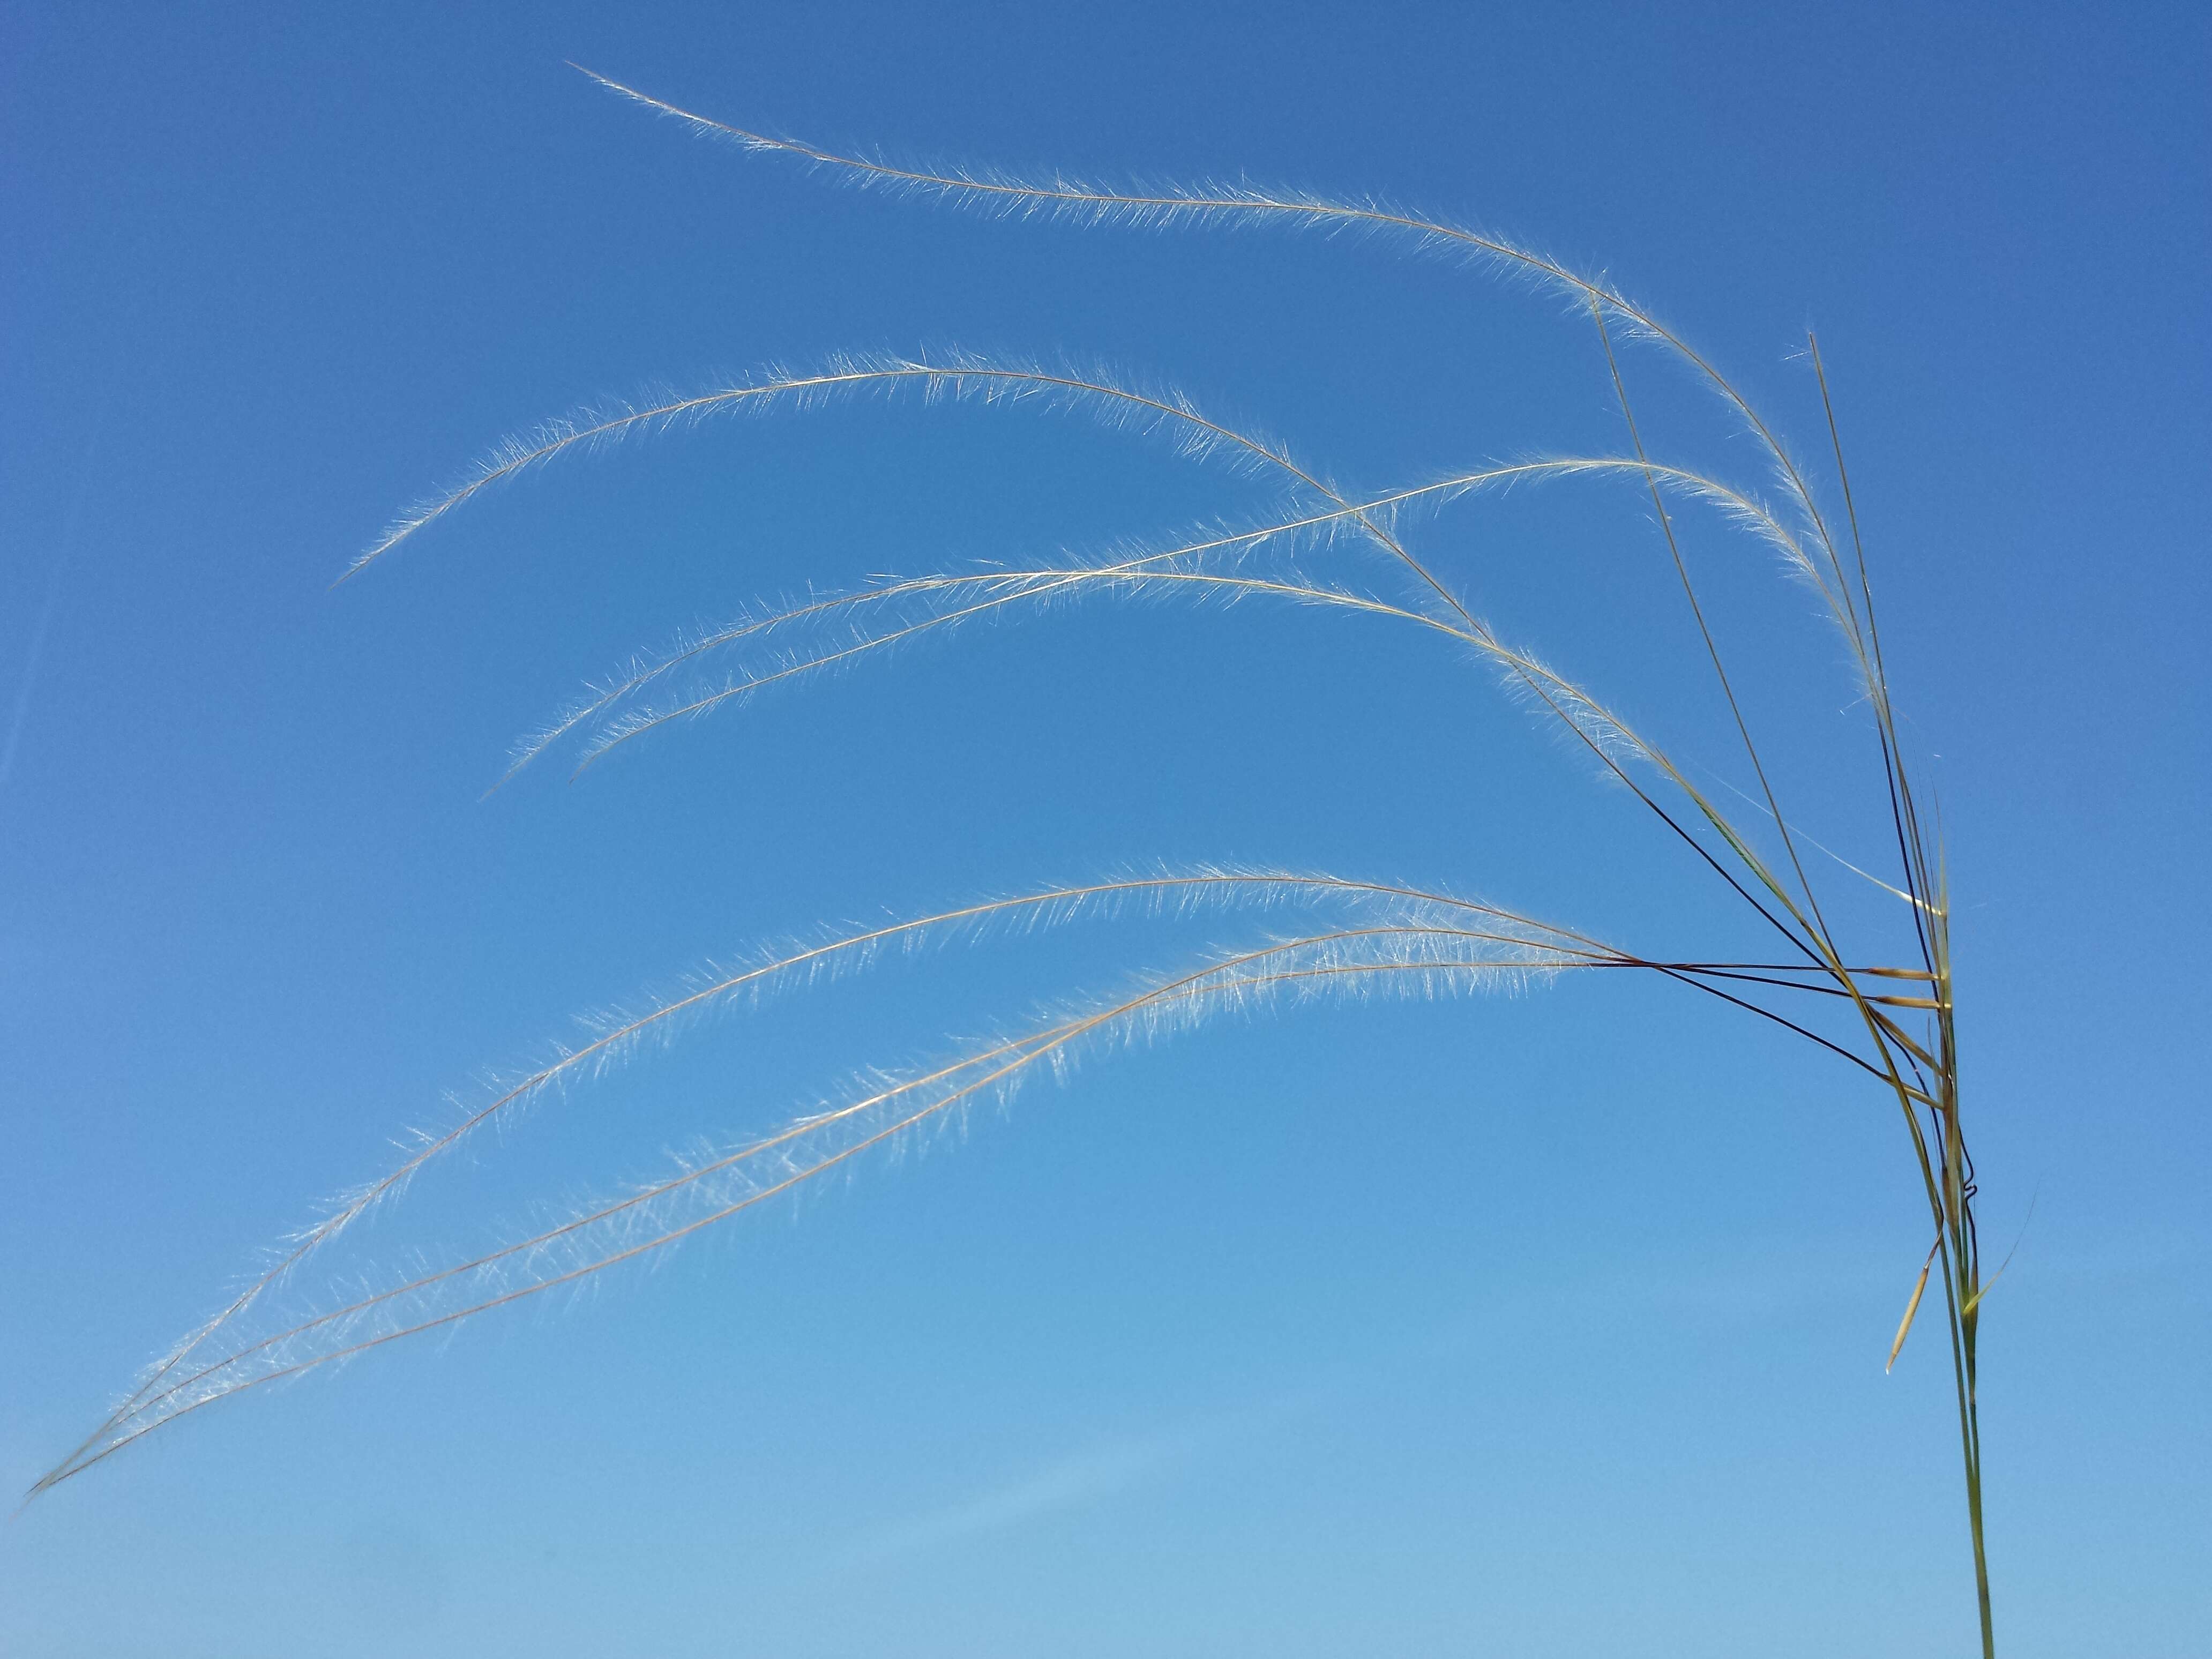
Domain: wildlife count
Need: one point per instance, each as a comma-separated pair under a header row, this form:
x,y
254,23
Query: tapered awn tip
x,y
1911,1308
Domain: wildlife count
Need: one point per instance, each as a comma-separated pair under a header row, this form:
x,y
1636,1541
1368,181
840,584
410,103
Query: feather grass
x,y
1892,1021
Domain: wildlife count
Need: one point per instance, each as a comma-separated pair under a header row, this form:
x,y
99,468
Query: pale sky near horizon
x,y
1546,1322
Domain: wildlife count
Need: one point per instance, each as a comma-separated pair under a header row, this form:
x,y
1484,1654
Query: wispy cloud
x,y
1092,1475
30,674
22,708
1071,1482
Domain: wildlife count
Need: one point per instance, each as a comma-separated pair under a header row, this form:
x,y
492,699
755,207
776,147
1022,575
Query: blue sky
x,y
1539,1324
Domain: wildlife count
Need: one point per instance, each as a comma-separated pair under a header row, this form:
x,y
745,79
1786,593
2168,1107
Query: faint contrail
x,y
47,615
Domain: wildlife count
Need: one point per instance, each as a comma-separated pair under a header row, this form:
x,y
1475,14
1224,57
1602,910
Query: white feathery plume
x,y
1426,947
